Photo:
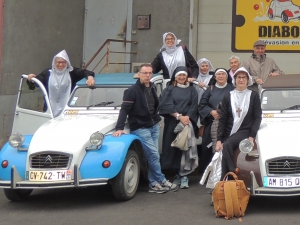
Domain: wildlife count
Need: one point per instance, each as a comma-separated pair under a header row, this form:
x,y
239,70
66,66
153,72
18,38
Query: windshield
x,y
280,99
84,96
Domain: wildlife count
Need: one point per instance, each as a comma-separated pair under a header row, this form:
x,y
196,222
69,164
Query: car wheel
x,y
125,184
284,18
271,16
17,195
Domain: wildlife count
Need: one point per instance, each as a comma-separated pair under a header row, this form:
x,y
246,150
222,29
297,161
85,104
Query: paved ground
x,y
97,206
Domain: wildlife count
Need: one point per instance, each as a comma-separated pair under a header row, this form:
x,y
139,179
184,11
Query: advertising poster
x,y
277,22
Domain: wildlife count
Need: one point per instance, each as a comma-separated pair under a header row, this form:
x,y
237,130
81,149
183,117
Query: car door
x,y
30,113
160,84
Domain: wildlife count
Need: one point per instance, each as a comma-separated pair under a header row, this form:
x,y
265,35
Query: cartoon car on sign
x,y
285,9
272,168
75,149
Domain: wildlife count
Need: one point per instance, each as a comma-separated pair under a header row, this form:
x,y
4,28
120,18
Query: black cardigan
x,y
158,64
251,121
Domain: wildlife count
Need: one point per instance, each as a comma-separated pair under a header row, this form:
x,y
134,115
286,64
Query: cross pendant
x,y
239,111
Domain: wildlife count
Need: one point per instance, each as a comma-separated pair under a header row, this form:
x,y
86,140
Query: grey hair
x,y
235,57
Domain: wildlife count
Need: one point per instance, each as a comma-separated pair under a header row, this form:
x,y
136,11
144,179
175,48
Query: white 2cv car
x,y
75,149
272,168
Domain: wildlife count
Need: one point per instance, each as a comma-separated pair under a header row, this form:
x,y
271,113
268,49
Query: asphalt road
x,y
96,205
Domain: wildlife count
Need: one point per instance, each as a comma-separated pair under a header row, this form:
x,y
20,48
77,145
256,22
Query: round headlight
x,y
246,146
16,140
96,138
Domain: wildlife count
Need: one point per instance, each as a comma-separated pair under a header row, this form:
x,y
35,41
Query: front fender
x,y
113,149
15,158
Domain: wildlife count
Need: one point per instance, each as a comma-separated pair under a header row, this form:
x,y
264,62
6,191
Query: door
x,y
30,113
107,19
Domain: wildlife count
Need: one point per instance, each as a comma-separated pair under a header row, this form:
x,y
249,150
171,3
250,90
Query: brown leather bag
x,y
230,198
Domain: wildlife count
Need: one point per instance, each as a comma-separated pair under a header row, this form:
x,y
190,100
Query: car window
x,y
280,99
31,99
84,96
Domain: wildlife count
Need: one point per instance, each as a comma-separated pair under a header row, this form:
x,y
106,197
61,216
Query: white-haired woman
x,y
60,80
171,56
234,63
240,118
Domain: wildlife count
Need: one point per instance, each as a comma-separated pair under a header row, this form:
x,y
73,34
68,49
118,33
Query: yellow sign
x,y
276,22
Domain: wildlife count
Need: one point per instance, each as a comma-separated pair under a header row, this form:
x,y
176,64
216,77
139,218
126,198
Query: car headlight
x,y
246,146
16,140
96,138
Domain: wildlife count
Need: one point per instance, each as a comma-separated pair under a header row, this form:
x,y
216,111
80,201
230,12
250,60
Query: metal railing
x,y
106,55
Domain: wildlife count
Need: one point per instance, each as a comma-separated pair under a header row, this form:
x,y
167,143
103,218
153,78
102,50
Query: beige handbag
x,y
181,140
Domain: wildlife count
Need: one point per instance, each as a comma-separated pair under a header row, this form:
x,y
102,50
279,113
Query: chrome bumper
x,y
16,182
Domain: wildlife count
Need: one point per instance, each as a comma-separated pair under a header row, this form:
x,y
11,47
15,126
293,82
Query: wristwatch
x,y
177,116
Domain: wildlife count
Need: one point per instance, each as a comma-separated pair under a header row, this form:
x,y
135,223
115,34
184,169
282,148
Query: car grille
x,y
282,166
50,160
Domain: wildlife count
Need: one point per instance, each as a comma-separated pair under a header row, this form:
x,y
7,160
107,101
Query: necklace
x,y
238,101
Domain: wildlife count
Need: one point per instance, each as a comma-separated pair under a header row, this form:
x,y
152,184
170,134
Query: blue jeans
x,y
149,137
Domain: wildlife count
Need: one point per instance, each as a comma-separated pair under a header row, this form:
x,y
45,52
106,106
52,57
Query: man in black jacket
x,y
140,103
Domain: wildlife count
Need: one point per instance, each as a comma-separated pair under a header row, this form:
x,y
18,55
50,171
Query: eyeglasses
x,y
241,78
170,39
60,62
145,73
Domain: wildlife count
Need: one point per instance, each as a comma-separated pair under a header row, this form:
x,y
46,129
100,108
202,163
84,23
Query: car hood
x,y
70,133
278,139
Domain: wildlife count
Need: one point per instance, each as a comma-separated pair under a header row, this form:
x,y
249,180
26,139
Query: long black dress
x,y
209,101
183,101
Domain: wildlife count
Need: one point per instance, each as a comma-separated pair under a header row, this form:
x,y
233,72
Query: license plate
x,y
53,175
281,181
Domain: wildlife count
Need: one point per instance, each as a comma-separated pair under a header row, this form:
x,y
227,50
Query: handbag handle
x,y
232,174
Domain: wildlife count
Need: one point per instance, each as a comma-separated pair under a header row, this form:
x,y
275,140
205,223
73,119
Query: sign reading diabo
x,y
277,22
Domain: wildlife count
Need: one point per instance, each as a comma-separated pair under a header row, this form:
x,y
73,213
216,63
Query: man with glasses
x,y
140,104
60,80
260,66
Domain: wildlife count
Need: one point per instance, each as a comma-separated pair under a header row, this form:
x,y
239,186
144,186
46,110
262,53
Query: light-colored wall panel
x,y
215,11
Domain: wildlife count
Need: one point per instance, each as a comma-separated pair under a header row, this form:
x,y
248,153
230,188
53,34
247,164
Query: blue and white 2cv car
x,y
75,149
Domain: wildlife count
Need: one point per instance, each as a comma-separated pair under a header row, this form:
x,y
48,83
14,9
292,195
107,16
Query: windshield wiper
x,y
100,104
291,107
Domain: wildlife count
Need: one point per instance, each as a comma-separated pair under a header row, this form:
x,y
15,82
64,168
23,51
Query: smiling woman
x,y
178,106
171,56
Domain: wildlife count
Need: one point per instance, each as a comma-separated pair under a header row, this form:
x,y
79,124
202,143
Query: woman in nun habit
x,y
171,56
221,85
206,72
240,118
60,80
178,104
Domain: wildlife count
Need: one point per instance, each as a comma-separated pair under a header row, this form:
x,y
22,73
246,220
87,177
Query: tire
x,y
125,184
271,16
17,195
284,18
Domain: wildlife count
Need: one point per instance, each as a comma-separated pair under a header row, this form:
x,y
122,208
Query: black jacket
x,y
76,75
158,64
135,106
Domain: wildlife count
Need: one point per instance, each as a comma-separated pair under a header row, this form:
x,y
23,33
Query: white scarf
x,y
183,85
59,84
240,101
173,56
221,86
